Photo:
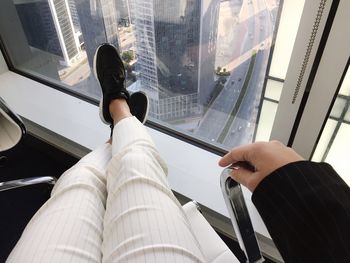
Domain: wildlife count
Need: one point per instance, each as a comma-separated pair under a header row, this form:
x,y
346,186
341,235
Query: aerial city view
x,y
201,62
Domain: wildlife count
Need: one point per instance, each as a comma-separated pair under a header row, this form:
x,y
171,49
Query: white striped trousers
x,y
114,205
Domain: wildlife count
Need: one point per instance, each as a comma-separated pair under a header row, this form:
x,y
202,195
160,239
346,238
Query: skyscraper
x,y
123,12
74,14
176,45
53,19
99,24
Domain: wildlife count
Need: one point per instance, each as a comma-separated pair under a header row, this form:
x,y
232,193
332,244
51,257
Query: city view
x,y
201,62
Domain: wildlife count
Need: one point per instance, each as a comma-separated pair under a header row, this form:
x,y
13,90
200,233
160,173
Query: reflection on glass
x,y
347,116
268,113
273,90
334,143
201,62
338,152
338,107
345,87
328,131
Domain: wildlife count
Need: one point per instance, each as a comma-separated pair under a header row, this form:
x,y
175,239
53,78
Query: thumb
x,y
243,176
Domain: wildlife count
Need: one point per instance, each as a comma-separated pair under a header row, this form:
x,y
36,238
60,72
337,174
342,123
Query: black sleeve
x,y
306,209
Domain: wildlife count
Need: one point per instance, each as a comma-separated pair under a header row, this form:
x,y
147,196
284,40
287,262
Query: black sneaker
x,y
110,72
138,104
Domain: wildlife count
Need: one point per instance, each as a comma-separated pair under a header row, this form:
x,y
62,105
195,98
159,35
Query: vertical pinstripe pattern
x,y
143,222
306,208
68,227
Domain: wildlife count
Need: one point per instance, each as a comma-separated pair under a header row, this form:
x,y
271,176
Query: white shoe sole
x,y
95,74
101,100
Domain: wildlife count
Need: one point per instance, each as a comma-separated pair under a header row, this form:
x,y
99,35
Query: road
x,y
230,47
214,120
216,117
254,32
242,128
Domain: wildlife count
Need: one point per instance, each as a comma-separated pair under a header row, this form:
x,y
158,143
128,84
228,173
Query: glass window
x,y
335,140
338,107
273,90
345,88
267,114
286,36
347,116
339,149
204,64
326,137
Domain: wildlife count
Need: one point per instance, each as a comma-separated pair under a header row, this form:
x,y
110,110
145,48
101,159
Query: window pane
x,y
202,63
347,115
287,31
334,144
345,88
339,151
338,107
273,90
266,120
325,138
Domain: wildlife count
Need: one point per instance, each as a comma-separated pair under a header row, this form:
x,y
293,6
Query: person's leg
x,y
143,221
69,226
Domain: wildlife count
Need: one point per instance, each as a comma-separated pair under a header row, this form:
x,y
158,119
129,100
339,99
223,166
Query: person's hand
x,y
264,157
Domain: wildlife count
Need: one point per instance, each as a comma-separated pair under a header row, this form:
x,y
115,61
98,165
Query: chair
x,y
12,130
214,249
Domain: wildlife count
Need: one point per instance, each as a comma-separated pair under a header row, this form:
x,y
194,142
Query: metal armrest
x,y
26,182
240,218
7,110
12,127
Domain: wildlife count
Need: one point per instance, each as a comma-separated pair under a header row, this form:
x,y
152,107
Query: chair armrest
x,y
26,182
12,127
240,218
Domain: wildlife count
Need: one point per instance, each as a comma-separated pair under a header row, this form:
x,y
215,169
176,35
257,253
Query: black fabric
x,y
306,208
138,104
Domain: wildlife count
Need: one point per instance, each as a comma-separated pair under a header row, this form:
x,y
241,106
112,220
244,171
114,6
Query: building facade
x,y
123,12
176,46
99,24
53,19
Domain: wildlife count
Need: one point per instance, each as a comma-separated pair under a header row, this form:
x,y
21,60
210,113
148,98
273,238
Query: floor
x,y
32,158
